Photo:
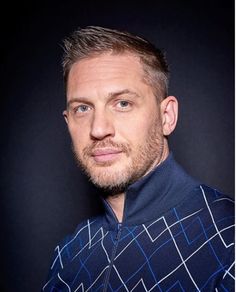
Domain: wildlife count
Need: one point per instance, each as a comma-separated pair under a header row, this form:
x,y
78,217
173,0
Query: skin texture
x,y
118,127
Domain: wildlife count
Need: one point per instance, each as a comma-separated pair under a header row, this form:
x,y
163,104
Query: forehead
x,y
106,67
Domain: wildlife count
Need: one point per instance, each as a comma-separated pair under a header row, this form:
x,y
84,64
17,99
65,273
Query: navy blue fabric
x,y
176,235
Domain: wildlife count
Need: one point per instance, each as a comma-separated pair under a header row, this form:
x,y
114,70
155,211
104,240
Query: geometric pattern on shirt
x,y
185,236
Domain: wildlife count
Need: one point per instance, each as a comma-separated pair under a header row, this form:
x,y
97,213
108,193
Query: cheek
x,y
136,131
79,137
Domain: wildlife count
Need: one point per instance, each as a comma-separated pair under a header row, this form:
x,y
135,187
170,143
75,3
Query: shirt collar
x,y
154,194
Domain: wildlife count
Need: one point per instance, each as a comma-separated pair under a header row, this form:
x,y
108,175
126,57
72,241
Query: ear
x,y
65,115
169,113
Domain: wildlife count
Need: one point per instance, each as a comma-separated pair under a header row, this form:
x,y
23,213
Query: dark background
x,y
43,194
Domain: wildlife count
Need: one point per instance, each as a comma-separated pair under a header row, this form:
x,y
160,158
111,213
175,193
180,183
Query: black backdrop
x,y
43,194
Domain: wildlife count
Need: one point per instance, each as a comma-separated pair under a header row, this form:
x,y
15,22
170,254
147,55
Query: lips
x,y
105,154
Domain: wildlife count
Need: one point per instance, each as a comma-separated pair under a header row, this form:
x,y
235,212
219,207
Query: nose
x,y
101,126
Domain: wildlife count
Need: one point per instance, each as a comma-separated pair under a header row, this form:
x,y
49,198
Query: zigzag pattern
x,y
175,245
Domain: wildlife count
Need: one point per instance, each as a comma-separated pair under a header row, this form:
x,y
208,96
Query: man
x,y
161,230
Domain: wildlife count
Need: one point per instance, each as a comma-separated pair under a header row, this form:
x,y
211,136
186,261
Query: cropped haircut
x,y
93,41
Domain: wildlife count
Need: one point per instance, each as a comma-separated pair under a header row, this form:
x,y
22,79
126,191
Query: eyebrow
x,y
111,95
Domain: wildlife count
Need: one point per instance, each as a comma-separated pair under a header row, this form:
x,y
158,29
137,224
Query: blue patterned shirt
x,y
176,235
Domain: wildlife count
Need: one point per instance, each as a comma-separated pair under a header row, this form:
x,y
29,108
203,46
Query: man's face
x,y
114,120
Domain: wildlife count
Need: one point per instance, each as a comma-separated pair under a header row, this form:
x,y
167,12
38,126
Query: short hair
x,y
93,41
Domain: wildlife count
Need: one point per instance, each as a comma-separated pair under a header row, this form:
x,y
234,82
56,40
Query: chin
x,y
109,177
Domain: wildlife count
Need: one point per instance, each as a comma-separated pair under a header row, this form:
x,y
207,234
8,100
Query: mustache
x,y
124,147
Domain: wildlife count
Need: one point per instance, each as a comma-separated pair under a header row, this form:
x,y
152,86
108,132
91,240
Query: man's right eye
x,y
82,108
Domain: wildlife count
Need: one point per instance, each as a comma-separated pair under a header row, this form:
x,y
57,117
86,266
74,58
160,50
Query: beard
x,y
113,177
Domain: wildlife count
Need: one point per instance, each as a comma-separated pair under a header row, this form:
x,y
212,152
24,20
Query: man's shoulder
x,y
205,196
217,200
210,207
83,232
86,233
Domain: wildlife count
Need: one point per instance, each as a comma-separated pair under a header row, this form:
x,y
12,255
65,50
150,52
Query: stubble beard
x,y
112,180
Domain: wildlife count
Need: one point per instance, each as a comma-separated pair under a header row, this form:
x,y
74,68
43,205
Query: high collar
x,y
154,194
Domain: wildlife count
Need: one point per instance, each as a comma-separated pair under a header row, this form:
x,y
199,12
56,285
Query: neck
x,y
117,205
117,202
